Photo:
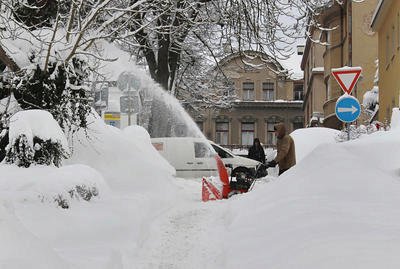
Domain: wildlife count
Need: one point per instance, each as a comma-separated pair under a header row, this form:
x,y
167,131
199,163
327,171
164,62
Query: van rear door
x,y
181,156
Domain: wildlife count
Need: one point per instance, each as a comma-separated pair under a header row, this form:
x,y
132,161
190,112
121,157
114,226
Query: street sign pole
x,y
129,83
130,105
348,108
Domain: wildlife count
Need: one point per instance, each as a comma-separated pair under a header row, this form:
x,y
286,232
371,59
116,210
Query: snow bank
x,y
307,139
21,249
127,163
337,208
395,119
45,184
135,185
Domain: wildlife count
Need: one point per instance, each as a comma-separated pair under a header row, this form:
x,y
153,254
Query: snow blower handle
x,y
272,163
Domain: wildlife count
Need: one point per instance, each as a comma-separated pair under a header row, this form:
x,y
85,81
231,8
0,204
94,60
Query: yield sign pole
x,y
347,77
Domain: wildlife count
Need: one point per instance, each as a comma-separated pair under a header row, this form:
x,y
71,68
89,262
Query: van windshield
x,y
221,152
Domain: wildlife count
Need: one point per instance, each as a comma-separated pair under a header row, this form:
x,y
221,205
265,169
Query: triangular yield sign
x,y
347,77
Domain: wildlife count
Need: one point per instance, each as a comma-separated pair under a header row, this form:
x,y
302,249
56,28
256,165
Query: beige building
x,y
265,96
312,65
349,42
386,22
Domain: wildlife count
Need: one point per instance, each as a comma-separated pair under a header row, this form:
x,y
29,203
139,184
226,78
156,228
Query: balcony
x,y
331,121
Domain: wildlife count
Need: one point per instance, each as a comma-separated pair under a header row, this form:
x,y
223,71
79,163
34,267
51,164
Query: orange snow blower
x,y
223,188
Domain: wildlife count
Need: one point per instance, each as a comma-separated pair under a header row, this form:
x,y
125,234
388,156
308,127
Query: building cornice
x,y
268,104
380,13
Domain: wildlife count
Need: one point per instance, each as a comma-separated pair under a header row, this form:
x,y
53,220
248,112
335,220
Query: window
x,y
297,125
270,137
221,133
200,125
298,92
248,91
201,150
247,133
222,153
268,91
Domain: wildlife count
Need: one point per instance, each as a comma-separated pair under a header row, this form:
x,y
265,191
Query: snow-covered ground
x,y
337,208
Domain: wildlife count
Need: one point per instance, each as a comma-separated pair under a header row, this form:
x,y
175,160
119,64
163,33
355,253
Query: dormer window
x,y
248,91
268,91
298,93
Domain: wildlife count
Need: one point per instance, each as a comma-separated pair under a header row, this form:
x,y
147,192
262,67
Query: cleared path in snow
x,y
186,236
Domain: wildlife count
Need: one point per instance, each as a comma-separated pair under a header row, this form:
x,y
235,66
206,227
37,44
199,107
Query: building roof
x,y
249,54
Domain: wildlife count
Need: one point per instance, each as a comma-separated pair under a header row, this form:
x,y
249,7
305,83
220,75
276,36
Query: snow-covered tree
x,y
173,35
53,46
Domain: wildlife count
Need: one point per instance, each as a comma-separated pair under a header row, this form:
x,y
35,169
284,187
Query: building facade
x,y
265,96
348,41
386,22
312,65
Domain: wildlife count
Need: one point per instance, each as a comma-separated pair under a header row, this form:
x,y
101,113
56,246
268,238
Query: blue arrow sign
x,y
348,108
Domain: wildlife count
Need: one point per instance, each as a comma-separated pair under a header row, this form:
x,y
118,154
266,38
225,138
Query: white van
x,y
192,157
236,164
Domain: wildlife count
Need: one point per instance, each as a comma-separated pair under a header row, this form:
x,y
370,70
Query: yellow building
x,y
265,95
314,88
386,22
349,42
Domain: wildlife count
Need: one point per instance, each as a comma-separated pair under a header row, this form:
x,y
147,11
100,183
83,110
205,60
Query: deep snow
x,y
337,208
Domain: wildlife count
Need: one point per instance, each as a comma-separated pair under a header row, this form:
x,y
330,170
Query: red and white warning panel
x,y
347,77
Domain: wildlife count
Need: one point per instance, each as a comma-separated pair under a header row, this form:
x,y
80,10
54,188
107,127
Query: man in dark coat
x,y
256,152
286,154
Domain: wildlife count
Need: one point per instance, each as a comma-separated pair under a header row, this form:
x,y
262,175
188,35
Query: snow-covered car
x,y
234,163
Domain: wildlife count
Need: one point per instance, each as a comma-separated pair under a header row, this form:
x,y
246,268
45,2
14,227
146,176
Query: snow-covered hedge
x,y
50,185
35,138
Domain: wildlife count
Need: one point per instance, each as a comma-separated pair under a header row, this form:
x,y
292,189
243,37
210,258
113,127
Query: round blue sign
x,y
348,108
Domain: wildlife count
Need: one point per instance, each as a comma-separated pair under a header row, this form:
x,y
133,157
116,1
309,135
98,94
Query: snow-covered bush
x,y
78,192
371,99
63,187
35,138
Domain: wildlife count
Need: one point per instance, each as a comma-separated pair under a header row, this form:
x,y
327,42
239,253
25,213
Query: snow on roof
x,y
292,64
346,68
